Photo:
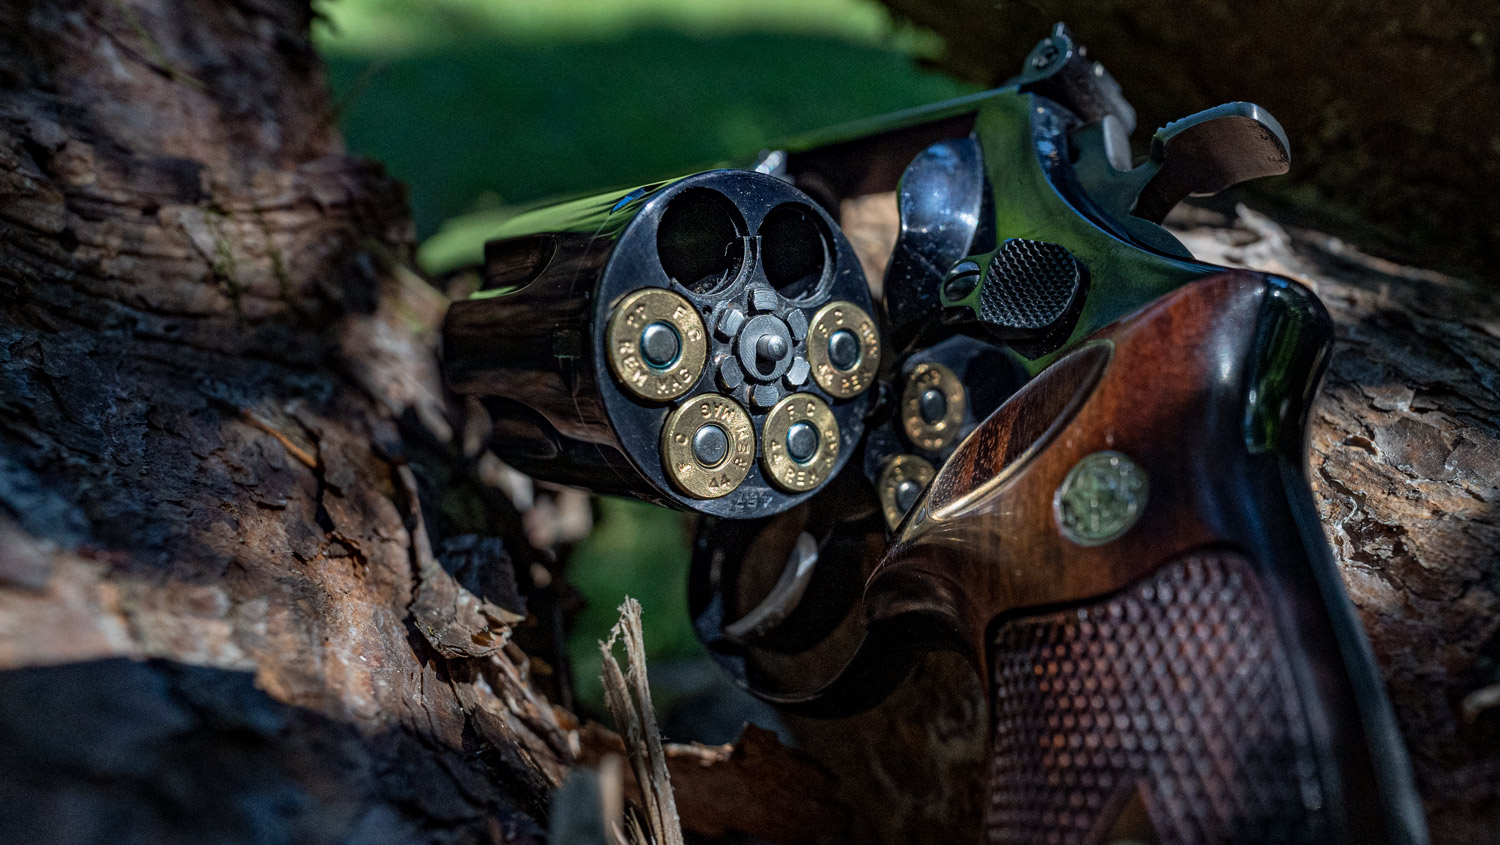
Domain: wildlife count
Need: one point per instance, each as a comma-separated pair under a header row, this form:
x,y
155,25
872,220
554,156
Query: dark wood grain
x,y
1155,401
982,568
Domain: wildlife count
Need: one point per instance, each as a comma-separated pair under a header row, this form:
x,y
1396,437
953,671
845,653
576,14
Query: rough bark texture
x,y
755,786
1405,466
1389,103
223,447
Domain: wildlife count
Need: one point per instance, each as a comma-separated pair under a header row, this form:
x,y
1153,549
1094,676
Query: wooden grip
x,y
1166,713
1129,548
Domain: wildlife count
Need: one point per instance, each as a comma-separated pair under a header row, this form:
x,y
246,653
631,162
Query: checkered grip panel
x,y
1174,695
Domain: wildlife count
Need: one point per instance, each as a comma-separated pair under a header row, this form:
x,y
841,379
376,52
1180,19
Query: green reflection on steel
x,y
1122,276
1291,350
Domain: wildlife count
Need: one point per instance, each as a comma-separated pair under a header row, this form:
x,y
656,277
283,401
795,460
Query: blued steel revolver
x,y
1060,446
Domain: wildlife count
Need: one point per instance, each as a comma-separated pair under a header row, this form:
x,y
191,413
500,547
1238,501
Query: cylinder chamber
x,y
638,344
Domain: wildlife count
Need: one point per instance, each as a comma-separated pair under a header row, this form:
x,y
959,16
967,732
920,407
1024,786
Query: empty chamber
x,y
707,344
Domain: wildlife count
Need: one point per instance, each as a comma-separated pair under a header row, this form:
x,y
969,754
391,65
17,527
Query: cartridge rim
x,y
900,470
680,461
635,313
780,467
837,316
924,433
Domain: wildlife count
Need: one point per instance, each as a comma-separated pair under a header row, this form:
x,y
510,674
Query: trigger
x,y
1209,151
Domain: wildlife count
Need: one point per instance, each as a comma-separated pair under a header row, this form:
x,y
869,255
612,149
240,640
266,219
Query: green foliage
x,y
479,105
403,26
638,550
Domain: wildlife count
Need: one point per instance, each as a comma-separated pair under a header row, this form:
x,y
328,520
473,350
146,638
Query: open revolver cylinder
x,y
1065,449
707,343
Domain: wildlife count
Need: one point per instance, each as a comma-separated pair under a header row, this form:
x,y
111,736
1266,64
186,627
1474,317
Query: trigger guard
x,y
879,662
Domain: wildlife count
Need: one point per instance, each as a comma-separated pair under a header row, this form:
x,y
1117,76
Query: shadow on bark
x,y
160,751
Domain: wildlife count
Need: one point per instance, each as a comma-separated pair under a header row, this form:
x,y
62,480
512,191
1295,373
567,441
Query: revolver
x,y
1055,443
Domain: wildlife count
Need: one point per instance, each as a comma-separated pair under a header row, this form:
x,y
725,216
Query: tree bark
x,y
238,556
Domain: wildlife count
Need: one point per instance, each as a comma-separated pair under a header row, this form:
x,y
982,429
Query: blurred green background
x,y
483,107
